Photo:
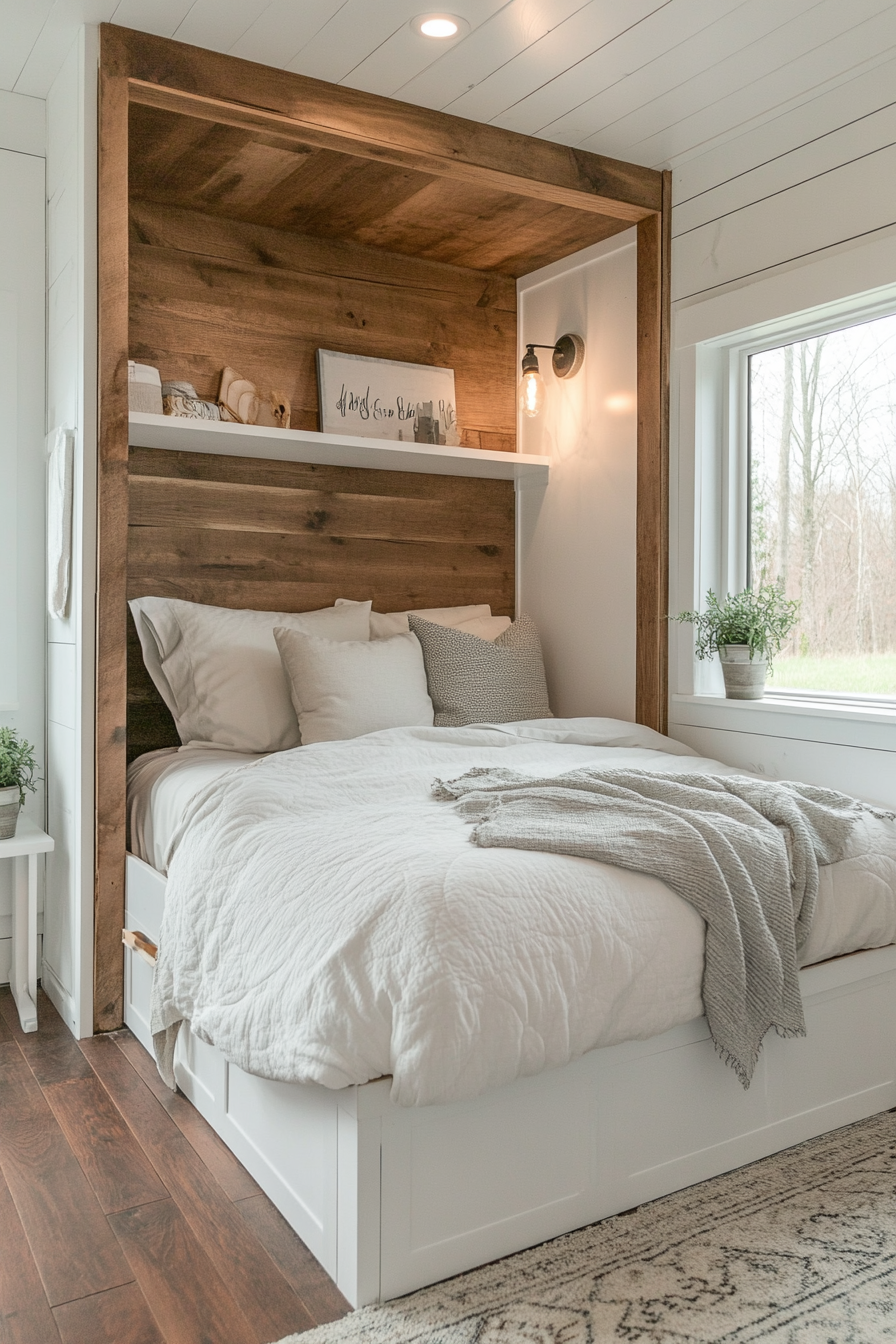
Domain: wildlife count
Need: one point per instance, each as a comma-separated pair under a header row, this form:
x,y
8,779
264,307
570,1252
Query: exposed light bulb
x,y
438,27
531,393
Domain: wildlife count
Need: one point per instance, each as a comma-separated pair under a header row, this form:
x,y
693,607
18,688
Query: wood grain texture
x,y
232,1177
112,514
52,1053
107,1151
382,128
266,1297
427,155
70,1240
652,581
117,1316
314,1286
25,1316
191,1302
240,174
283,536
171,1249
192,312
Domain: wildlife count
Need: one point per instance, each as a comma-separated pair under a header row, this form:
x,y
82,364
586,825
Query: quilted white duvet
x,y
328,921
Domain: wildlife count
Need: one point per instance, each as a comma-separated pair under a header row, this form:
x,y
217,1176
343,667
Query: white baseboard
x,y
57,994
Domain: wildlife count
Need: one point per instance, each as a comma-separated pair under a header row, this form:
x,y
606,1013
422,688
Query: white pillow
x,y
219,672
345,690
476,620
483,627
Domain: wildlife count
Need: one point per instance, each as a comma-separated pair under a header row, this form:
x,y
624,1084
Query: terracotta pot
x,y
10,803
744,676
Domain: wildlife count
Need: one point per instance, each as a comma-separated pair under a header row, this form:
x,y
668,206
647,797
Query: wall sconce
x,y
569,352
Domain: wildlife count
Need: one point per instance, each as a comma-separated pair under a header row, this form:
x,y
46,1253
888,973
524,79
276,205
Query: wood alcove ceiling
x,y
248,216
281,182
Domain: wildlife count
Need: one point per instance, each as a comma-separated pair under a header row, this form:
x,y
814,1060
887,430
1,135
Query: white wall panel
x,y
22,123
22,468
578,536
860,771
57,36
21,29
645,55
816,177
526,46
71,402
785,170
849,202
702,55
771,71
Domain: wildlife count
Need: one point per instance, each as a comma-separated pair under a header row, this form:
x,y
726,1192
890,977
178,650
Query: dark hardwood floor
x,y
123,1217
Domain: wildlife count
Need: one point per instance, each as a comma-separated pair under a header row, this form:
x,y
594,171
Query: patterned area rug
x,y
799,1248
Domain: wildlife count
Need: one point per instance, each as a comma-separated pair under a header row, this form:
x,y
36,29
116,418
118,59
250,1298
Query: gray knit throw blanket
x,y
744,852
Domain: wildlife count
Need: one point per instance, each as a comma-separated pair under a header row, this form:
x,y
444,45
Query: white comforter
x,y
327,920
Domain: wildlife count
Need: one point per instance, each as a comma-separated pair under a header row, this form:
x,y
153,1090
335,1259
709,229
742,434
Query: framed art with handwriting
x,y
386,399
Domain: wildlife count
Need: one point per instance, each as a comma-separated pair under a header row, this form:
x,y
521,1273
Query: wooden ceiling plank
x,y
364,144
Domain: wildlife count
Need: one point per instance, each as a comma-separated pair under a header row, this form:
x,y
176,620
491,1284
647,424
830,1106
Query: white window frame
x,y
712,341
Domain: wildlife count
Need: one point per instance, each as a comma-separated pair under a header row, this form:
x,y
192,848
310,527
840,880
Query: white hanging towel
x,y
60,449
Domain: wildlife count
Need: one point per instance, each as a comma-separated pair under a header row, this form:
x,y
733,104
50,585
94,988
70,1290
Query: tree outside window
x,y
823,503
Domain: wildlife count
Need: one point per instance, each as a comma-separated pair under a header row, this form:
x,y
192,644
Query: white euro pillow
x,y
345,690
476,620
219,671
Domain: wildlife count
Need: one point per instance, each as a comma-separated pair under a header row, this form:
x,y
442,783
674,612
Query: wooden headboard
x,y
290,536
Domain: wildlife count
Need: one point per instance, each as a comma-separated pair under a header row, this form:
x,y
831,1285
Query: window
x,y
822,503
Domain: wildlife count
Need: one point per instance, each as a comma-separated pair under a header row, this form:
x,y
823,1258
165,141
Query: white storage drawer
x,y
144,906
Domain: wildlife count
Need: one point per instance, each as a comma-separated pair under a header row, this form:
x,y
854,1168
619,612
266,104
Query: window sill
x,y
852,725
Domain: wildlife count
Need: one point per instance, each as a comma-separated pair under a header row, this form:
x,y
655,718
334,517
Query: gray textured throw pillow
x,y
474,680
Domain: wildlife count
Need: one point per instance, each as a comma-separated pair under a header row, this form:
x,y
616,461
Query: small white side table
x,y
28,841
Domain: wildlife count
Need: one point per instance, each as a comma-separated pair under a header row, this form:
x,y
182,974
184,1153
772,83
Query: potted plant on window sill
x,y
17,768
746,632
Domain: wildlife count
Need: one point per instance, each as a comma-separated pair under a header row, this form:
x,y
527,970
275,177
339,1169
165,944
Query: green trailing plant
x,y
18,765
761,619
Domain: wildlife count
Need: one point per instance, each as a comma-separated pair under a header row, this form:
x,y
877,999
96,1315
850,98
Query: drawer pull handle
x,y
139,943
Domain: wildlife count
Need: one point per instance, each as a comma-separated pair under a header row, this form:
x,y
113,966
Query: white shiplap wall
x,y
793,215
818,176
21,447
71,401
576,538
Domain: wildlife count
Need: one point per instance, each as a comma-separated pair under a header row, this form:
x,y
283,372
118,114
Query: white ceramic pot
x,y
744,676
10,802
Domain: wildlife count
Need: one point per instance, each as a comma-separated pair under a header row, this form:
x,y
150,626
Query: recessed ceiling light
x,y
440,25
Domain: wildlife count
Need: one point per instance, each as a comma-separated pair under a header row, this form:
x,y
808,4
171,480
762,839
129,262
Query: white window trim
x,y
712,340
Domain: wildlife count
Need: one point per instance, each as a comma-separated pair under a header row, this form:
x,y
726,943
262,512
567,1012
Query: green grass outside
x,y
868,674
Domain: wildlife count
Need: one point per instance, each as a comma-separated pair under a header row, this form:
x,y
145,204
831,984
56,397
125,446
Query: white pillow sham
x,y
219,672
475,620
345,690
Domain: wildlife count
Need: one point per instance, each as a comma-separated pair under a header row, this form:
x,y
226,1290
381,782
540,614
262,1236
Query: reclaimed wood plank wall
x,y
207,291
291,536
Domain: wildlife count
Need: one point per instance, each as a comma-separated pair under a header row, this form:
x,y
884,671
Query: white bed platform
x,y
389,1199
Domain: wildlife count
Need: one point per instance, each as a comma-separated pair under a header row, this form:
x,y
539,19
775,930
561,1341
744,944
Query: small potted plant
x,y
746,631
17,769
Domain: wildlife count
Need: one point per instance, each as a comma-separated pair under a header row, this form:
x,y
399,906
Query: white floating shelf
x,y
179,434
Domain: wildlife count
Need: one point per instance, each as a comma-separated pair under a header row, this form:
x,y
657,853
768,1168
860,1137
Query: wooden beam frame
x,y
112,531
654,327
161,73
364,144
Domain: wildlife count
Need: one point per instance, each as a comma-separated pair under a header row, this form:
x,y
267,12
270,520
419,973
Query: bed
x,y
396,1174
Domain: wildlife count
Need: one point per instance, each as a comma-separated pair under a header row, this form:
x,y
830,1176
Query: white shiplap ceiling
x,y
652,81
